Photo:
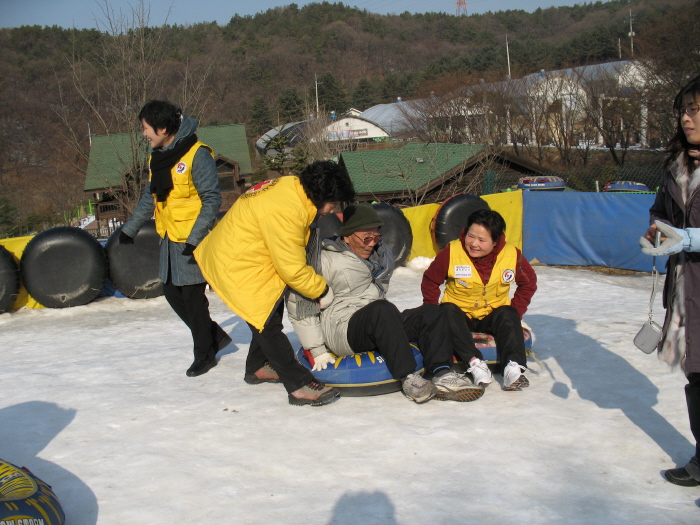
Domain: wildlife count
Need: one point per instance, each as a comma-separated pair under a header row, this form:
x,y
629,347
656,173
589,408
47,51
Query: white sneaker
x,y
513,378
418,389
481,373
454,387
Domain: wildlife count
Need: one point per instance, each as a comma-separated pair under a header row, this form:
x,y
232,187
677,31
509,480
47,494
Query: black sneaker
x,y
201,366
680,476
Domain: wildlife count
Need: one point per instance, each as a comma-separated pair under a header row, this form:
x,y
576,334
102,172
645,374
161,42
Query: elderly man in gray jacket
x,y
357,266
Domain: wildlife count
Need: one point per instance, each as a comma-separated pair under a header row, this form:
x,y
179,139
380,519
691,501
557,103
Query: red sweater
x,y
525,276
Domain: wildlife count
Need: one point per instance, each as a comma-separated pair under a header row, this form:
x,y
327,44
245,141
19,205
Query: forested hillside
x,y
56,83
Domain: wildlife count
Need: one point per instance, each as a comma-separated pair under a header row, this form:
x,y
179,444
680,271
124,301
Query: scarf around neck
x,y
306,307
162,162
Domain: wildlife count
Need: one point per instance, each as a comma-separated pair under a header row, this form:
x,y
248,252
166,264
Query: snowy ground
x,y
95,401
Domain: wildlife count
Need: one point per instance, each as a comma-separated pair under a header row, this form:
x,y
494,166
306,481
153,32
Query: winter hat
x,y
359,217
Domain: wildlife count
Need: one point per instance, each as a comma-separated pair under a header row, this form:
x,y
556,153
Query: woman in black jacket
x,y
676,214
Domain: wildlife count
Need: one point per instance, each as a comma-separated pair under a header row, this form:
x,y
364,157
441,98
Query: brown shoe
x,y
314,393
266,374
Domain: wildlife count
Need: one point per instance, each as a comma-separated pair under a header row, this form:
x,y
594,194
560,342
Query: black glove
x,y
189,249
125,239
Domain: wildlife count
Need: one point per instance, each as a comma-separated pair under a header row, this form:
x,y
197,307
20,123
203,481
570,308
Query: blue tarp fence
x,y
587,229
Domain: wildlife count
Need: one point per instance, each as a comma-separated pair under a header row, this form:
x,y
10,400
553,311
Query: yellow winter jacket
x,y
177,214
465,288
259,248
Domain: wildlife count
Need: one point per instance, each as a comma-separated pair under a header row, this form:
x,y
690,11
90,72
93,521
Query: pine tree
x,y
331,95
260,118
363,95
289,105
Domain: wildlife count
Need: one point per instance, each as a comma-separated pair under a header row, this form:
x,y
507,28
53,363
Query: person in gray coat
x,y
357,266
183,193
676,215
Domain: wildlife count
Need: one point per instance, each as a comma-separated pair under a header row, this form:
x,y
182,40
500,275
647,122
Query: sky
x,y
96,403
83,13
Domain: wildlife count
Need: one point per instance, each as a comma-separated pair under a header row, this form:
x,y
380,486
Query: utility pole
x,y
631,34
316,82
508,56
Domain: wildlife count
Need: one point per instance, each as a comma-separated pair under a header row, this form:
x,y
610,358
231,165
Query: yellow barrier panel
x,y
420,218
16,247
510,205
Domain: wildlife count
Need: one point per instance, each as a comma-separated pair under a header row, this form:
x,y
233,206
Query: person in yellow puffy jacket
x,y
258,251
183,194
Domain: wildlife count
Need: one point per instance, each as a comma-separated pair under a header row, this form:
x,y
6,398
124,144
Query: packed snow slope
x,y
95,401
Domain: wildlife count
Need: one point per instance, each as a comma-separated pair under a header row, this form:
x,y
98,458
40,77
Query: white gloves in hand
x,y
322,361
325,301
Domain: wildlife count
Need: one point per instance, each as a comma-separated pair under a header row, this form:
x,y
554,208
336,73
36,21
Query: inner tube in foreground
x,y
134,268
9,279
63,266
26,500
451,217
364,374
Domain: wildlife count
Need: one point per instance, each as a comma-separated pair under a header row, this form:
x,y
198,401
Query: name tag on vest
x,y
463,270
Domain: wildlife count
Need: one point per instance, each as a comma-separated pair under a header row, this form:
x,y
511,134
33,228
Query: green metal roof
x,y
110,155
413,165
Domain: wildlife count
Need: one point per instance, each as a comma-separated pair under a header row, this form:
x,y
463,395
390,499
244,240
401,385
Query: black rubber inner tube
x,y
63,267
9,279
452,216
134,268
396,231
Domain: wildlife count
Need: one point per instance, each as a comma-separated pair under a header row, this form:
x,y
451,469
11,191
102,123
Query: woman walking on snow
x,y
676,214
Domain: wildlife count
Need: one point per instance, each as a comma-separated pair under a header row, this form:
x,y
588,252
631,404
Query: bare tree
x,y
615,100
113,83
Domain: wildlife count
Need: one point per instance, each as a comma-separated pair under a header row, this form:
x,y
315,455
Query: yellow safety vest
x,y
177,214
464,285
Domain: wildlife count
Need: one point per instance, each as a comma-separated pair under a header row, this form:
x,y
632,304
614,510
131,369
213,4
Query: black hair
x,y
679,145
489,219
327,181
161,114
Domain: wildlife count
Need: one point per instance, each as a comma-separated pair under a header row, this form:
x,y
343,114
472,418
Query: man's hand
x,y
322,361
125,239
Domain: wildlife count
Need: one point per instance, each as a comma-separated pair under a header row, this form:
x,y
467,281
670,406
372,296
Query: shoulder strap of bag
x,y
654,282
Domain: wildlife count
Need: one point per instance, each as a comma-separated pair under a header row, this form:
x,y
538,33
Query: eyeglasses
x,y
369,239
691,111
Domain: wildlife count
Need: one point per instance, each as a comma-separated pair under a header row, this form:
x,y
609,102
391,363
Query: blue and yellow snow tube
x,y
26,499
489,348
364,374
626,186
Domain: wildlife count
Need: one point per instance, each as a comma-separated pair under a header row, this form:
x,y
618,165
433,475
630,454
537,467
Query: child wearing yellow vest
x,y
478,270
